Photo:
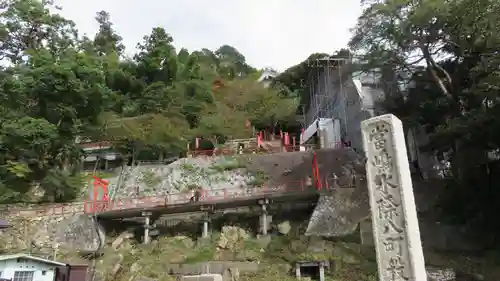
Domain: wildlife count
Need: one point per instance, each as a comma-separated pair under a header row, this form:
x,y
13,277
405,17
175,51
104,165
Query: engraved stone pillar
x,y
394,216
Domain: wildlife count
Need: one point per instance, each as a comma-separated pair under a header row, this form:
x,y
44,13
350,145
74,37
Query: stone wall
x,y
42,210
43,228
211,267
48,225
206,172
202,277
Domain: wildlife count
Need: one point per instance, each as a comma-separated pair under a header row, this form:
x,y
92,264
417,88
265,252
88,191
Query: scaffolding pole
x,y
326,91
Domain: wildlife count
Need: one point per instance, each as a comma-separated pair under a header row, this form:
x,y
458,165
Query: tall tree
x,y
59,87
29,25
107,41
406,33
445,51
157,59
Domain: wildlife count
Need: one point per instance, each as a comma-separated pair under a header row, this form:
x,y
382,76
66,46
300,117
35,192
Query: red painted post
x,y
99,184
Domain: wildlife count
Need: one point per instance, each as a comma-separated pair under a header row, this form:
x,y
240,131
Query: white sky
x,y
269,33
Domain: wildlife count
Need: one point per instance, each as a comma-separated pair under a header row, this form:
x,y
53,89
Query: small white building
x,y
268,74
23,267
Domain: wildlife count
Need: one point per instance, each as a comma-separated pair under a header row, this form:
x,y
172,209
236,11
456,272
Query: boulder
x,y
340,209
81,233
284,227
120,239
231,237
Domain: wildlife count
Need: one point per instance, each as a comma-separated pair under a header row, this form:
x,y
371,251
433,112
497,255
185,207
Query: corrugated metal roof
x,y
26,256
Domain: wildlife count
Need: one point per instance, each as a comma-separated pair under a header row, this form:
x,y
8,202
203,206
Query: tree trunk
x,y
457,161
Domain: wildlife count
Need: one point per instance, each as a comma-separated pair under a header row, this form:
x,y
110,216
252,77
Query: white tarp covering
x,y
309,132
331,127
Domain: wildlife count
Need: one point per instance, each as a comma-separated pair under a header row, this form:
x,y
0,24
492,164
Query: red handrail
x,y
174,199
257,150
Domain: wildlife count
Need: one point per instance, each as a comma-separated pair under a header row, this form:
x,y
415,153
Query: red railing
x,y
170,200
211,195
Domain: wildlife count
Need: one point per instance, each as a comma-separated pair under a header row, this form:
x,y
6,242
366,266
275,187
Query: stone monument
x,y
392,203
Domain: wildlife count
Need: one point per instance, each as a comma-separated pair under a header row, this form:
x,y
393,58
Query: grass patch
x,y
259,179
229,165
268,272
191,187
188,168
205,253
150,179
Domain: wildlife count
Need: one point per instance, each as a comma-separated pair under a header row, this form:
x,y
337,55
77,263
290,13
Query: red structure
x,y
100,184
315,172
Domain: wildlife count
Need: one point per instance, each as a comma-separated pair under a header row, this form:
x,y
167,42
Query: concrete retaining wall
x,y
211,267
204,277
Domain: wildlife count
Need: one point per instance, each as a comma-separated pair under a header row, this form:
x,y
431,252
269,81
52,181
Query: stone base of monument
x,y
440,274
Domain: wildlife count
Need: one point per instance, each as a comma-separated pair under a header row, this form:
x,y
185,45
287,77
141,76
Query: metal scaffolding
x,y
327,98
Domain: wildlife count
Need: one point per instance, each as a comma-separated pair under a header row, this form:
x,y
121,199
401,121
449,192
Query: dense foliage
x,y
57,86
440,69
445,54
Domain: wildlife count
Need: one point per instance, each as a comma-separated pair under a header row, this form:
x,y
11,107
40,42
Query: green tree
x,y
446,51
59,87
107,41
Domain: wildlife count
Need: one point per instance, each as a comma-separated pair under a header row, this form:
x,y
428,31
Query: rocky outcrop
x,y
74,231
231,237
284,227
340,209
226,172
207,172
81,233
